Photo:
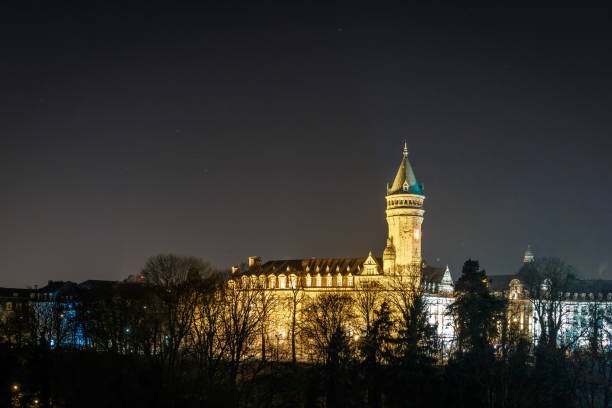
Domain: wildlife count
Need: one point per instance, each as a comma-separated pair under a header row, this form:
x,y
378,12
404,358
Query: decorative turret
x,y
404,217
389,258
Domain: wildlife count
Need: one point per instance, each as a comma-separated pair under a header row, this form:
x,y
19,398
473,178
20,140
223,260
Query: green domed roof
x,y
405,180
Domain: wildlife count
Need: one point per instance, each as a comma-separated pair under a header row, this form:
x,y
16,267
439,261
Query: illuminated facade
x,y
573,310
401,261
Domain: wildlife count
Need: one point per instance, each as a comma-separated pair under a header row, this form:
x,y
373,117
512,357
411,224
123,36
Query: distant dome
x,y
528,257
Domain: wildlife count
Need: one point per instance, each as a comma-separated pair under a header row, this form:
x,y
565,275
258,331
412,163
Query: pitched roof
x,y
15,292
405,181
94,283
500,283
590,286
312,266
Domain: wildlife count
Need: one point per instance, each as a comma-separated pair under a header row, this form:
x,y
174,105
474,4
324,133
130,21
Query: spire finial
x,y
405,149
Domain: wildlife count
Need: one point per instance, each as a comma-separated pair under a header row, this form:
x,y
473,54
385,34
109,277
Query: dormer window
x,y
406,186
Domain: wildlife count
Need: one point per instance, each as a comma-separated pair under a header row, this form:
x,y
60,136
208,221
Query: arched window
x,y
272,282
308,280
282,281
293,281
329,280
339,280
318,280
349,281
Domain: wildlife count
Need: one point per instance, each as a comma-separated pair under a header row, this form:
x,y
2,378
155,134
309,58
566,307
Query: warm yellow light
x,y
36,401
417,234
356,337
15,387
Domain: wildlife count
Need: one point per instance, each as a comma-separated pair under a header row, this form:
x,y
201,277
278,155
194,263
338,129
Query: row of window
x,y
272,281
405,202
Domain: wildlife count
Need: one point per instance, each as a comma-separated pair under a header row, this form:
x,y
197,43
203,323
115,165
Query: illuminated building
x,y
401,261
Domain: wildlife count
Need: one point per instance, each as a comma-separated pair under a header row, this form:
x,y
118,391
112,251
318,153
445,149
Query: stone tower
x,y
404,217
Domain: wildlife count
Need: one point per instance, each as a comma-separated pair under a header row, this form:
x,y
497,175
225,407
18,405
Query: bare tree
x,y
367,299
591,366
174,278
547,280
295,301
207,342
324,317
241,321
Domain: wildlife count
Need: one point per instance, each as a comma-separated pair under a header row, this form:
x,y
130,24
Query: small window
x,y
329,281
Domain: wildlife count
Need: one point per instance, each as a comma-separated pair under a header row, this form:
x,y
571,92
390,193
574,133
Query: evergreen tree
x,y
478,316
376,349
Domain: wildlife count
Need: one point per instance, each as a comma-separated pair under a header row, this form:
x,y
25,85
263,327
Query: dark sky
x,y
272,130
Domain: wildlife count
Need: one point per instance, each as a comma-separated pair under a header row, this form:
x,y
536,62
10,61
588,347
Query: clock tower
x,y
404,198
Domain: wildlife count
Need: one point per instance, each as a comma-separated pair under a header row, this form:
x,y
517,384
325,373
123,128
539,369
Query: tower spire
x,y
405,181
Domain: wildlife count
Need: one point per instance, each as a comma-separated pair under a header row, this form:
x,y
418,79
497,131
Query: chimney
x,y
254,261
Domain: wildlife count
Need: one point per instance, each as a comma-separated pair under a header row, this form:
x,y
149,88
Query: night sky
x,y
272,130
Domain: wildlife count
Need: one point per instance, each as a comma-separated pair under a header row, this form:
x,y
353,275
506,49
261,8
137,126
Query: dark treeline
x,y
183,337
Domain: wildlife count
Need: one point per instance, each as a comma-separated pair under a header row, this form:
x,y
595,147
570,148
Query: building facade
x,y
401,261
